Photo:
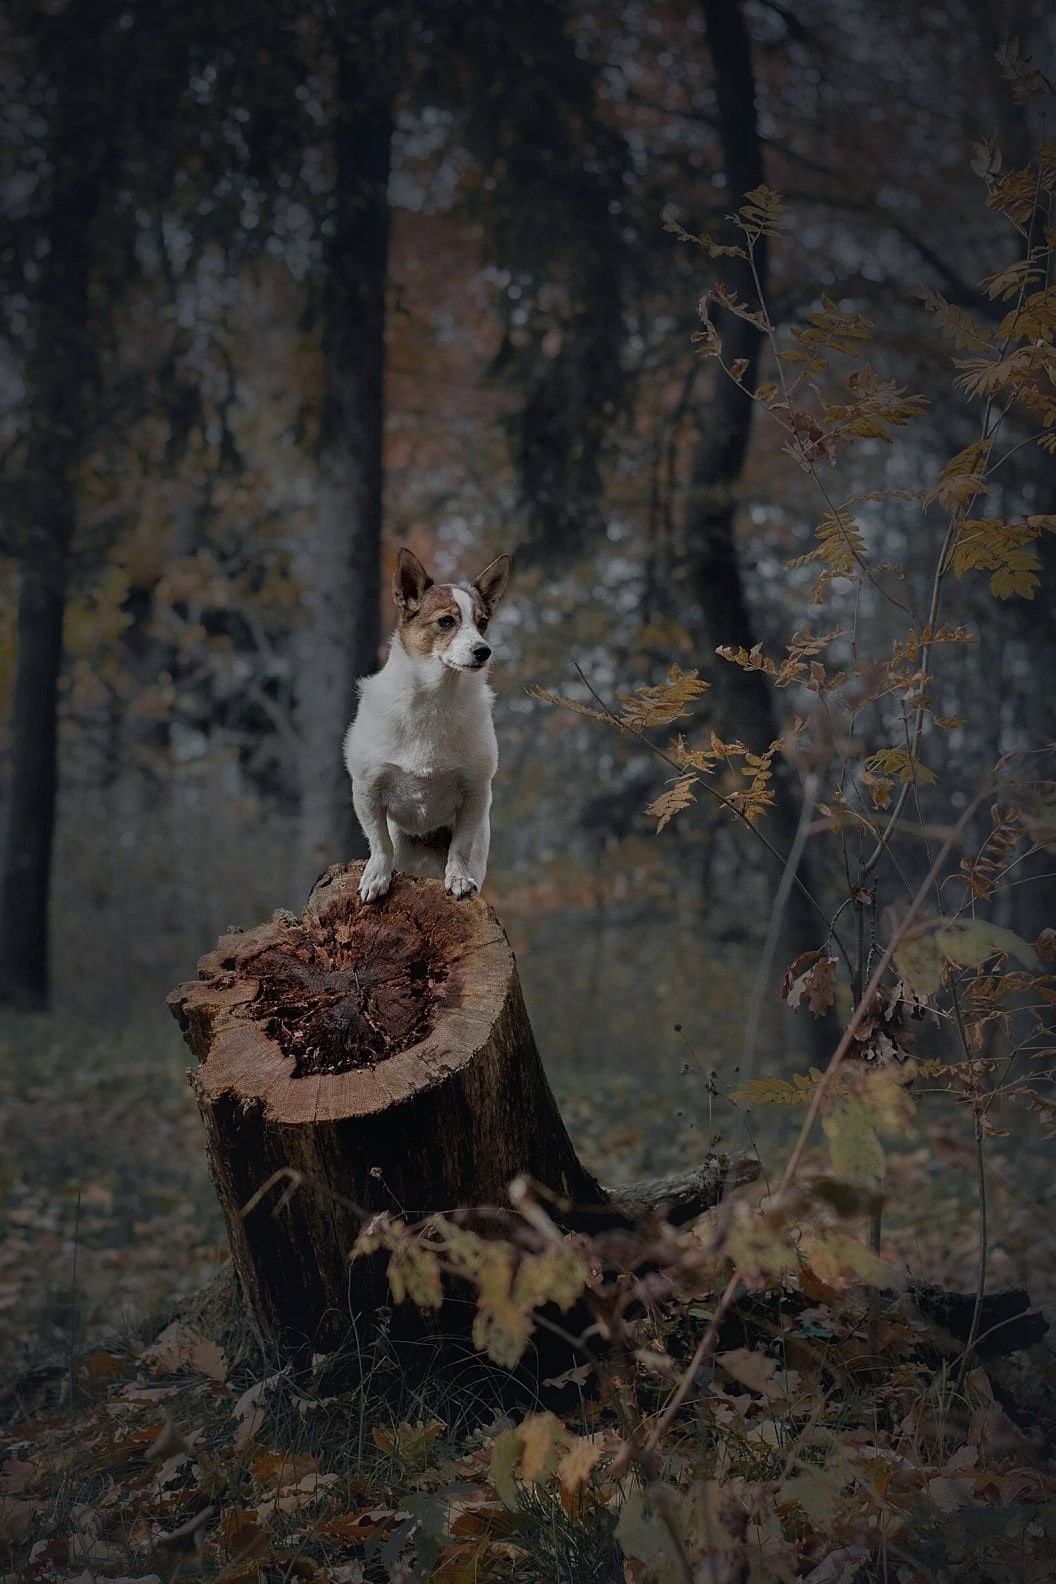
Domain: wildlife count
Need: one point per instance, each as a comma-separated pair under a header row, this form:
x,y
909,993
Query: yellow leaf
x,y
505,1456
900,762
923,956
762,213
1021,575
575,705
956,323
659,706
674,800
502,1326
414,1273
578,1462
797,1090
964,475
857,1154
543,1437
838,1259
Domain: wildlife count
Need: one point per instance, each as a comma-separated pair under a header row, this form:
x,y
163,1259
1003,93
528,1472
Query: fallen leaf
x,y
407,1443
16,1476
189,1537
181,1347
839,1567
169,1441
357,1528
249,1409
751,1369
17,1518
241,1535
949,1493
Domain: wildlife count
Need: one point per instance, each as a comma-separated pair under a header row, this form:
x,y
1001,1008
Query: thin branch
x,y
811,788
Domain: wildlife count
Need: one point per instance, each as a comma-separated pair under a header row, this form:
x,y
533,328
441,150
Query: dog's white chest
x,y
420,802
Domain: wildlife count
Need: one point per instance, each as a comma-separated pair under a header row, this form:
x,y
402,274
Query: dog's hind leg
x,y
420,855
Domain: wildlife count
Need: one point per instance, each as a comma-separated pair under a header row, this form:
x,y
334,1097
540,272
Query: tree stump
x,y
361,1059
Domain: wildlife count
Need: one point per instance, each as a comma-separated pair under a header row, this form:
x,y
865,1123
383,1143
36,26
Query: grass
x,y
105,1204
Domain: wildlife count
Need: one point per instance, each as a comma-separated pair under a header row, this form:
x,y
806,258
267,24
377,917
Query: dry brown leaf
x,y
170,1441
814,977
181,1347
15,1476
751,1369
357,1528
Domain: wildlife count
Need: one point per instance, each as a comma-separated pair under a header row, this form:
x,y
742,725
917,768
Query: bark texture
x,y
364,1059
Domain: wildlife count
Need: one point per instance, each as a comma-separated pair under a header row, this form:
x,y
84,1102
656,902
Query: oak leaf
x,y
814,976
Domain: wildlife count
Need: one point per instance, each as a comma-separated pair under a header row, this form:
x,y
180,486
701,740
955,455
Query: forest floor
x,y
126,1414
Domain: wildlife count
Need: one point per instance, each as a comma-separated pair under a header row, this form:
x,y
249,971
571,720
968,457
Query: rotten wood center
x,y
347,990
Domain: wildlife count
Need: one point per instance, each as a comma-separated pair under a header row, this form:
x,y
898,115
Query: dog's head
x,y
443,621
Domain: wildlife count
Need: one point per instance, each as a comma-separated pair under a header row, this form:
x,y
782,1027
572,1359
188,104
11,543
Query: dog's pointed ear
x,y
491,584
409,582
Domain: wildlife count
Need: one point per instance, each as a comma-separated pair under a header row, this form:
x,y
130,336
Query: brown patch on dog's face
x,y
435,624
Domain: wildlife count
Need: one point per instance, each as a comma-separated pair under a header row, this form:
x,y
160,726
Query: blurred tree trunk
x,y
342,566
26,878
710,565
62,376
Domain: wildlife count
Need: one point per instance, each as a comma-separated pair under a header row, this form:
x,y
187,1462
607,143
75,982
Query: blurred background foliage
x,y
286,287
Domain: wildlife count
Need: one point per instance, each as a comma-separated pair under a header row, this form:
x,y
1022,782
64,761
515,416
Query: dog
x,y
421,750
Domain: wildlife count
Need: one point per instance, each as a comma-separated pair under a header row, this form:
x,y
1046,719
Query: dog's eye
x,y
482,625
446,621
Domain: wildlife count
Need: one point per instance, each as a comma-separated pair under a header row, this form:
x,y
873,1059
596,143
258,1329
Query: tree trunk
x,y
364,1059
710,563
25,882
342,564
61,386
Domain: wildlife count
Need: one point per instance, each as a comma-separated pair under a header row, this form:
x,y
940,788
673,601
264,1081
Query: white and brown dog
x,y
421,751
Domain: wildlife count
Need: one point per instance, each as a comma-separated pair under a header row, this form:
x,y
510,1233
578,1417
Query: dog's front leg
x,y
370,811
467,856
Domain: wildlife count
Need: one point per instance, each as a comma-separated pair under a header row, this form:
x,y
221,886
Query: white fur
x,y
422,753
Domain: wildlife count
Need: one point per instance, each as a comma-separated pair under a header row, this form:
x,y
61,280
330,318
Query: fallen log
x,y
363,1059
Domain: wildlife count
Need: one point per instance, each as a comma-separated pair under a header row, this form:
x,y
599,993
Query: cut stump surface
x,y
369,1058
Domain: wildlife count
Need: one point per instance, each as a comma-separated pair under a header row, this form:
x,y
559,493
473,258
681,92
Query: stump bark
x,y
363,1059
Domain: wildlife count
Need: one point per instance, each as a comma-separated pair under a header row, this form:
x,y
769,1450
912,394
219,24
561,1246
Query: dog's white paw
x,y
458,882
375,880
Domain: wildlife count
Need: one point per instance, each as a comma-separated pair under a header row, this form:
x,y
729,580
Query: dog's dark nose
x,y
481,654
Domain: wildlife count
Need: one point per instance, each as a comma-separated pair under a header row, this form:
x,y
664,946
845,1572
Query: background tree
x,y
63,255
